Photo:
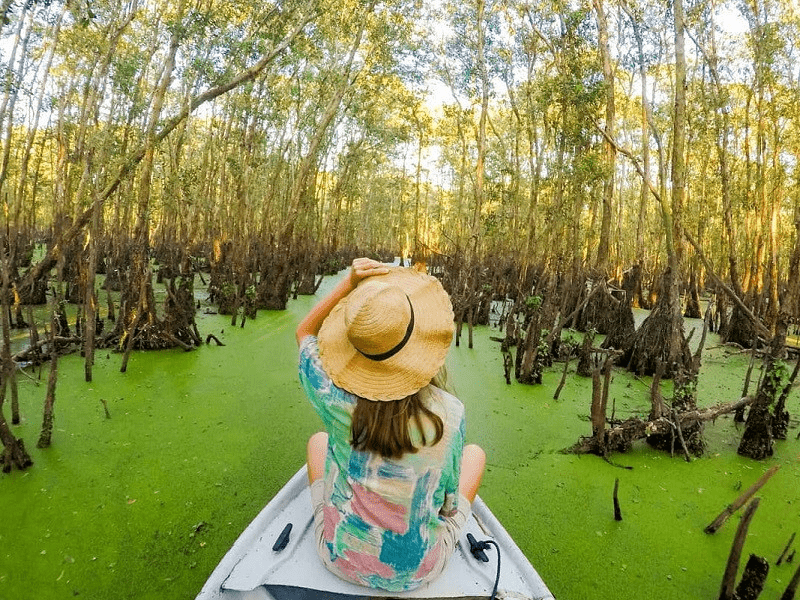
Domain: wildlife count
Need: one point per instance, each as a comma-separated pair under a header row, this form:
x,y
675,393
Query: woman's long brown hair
x,y
383,427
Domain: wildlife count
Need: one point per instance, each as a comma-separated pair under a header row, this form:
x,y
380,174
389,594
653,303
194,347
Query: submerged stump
x,y
753,578
599,313
623,327
687,436
14,453
660,338
740,329
758,436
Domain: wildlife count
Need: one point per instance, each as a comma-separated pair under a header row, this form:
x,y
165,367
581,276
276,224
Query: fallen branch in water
x,y
25,355
210,337
620,436
740,501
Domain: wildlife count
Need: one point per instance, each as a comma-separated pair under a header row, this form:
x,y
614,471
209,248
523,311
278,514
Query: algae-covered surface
x,y
144,504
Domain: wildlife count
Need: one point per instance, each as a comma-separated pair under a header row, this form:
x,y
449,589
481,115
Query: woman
x,y
391,481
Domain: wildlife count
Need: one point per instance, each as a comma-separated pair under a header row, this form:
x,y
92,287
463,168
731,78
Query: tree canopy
x,y
340,131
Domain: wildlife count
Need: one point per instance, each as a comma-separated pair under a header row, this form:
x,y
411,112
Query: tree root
x,y
620,437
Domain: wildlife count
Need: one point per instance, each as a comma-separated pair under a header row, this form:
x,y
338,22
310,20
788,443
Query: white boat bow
x,y
252,570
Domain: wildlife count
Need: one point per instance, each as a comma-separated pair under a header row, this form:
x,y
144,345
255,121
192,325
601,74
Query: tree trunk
x,y
14,453
15,75
90,295
790,302
139,321
46,434
603,247
660,338
53,35
780,418
693,301
758,435
656,337
622,327
753,578
9,370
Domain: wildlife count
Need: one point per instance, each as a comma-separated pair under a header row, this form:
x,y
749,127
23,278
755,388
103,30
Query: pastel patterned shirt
x,y
384,518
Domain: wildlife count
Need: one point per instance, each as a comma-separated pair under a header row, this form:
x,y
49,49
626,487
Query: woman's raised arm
x,y
360,269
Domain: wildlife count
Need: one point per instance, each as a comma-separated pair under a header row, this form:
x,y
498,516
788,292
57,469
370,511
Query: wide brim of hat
x,y
413,367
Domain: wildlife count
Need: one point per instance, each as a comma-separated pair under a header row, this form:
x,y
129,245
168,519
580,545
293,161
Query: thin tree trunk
x,y
138,304
603,247
12,87
678,177
31,134
90,297
46,435
722,129
729,577
14,454
774,206
480,169
9,371
791,300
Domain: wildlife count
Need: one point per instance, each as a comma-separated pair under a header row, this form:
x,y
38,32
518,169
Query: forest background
x,y
566,161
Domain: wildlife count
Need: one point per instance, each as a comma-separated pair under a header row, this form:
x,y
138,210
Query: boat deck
x,y
252,570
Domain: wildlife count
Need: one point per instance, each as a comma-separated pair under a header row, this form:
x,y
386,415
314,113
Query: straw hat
x,y
388,337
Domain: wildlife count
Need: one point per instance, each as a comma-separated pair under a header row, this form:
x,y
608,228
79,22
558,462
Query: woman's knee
x,y
475,455
319,439
473,463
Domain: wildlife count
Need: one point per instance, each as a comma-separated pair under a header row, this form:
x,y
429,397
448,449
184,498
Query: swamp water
x,y
144,504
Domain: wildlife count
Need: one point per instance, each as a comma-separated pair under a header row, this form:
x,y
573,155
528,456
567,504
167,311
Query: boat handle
x,y
283,538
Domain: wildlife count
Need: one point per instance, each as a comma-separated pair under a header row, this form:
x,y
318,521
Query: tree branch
x,y
631,157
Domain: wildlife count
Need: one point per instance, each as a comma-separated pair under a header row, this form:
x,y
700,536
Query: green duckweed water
x,y
145,504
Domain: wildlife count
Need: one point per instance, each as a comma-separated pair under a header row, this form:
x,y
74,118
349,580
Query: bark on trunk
x,y
14,453
46,434
780,427
753,578
660,338
758,436
622,327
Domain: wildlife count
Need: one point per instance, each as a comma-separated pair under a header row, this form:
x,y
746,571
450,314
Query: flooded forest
x,y
557,165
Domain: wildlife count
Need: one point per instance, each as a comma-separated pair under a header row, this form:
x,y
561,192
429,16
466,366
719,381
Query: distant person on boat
x,y
391,480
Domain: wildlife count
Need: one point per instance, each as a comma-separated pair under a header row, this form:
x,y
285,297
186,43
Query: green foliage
x,y
544,349
533,302
227,290
776,377
685,392
570,338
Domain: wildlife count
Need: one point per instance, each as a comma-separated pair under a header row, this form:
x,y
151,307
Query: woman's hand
x,y
360,269
366,267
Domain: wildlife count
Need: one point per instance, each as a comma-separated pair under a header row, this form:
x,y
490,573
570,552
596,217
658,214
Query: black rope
x,y
477,549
